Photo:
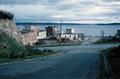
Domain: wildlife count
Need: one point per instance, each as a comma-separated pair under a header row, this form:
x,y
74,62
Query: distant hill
x,y
39,23
110,24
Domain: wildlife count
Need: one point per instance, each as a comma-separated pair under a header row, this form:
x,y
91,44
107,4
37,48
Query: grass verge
x,y
11,60
103,70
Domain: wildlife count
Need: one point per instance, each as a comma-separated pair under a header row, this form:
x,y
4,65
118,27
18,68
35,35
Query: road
x,y
76,62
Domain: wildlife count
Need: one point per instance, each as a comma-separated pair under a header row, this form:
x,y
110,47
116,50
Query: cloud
x,y
69,10
19,2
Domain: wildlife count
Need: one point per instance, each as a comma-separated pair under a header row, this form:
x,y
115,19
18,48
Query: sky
x,y
74,11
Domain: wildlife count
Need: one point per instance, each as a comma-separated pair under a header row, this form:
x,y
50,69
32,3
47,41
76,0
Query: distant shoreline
x,y
38,23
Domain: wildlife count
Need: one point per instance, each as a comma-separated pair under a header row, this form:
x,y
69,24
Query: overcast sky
x,y
82,11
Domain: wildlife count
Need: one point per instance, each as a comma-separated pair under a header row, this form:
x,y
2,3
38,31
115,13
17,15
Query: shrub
x,y
10,47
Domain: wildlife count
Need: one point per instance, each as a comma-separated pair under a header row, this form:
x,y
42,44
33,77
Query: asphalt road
x,y
76,62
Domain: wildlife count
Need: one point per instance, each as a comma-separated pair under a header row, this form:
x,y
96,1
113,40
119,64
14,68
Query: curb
x,y
14,62
107,66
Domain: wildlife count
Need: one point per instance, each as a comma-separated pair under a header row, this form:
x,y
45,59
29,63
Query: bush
x,y
10,47
114,58
5,15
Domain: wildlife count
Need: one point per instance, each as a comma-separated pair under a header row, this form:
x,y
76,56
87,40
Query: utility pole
x,y
60,31
102,34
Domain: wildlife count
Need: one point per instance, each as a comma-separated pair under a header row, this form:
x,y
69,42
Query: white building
x,y
69,31
32,28
41,35
72,36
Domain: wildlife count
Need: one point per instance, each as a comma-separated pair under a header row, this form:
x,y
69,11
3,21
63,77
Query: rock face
x,y
8,26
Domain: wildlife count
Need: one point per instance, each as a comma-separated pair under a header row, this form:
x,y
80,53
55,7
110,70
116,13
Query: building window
x,y
65,36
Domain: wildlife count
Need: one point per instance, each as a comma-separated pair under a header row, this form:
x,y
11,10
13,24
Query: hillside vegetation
x,y
10,48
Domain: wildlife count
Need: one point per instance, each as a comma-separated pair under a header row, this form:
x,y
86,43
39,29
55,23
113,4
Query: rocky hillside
x,y
8,26
10,39
9,47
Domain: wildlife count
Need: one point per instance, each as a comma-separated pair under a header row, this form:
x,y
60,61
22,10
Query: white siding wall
x,y
71,36
41,35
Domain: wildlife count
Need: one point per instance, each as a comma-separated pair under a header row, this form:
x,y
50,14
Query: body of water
x,y
92,30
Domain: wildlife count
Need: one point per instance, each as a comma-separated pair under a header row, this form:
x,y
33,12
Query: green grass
x,y
11,43
43,54
9,46
112,40
103,71
11,50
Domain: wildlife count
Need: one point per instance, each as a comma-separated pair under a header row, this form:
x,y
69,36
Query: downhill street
x,y
76,62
